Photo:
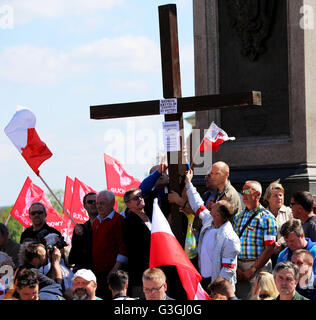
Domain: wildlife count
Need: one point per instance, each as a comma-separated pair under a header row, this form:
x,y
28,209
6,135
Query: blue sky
x,y
60,57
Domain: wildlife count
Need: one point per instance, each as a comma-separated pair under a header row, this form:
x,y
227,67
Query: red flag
x,y
29,194
77,211
118,181
68,194
213,138
166,250
21,131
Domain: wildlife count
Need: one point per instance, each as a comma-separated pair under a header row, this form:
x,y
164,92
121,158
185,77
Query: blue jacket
x,y
286,254
150,193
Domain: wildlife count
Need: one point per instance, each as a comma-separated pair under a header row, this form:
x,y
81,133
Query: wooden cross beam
x,y
187,104
172,89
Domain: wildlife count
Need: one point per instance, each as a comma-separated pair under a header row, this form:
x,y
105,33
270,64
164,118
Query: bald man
x,y
217,177
108,249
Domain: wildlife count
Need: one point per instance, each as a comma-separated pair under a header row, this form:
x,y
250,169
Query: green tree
x,y
59,193
120,204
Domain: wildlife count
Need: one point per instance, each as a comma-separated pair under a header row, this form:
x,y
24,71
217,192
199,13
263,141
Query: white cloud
x,y
26,11
124,53
33,65
28,64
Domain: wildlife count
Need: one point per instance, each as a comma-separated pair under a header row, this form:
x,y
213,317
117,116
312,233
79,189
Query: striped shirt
x,y
261,231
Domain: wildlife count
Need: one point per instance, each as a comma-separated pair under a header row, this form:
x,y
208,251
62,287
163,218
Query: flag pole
x,y
197,150
9,216
53,194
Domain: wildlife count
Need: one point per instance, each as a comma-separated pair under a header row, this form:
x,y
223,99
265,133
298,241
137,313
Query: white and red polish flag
x,y
117,179
166,250
29,194
21,131
213,138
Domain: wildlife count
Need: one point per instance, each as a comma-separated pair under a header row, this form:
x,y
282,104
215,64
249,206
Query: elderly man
x,y
155,285
81,242
108,249
219,245
84,285
286,276
257,230
302,208
37,214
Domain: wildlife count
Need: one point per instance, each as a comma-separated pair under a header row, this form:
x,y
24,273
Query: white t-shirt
x,y
207,251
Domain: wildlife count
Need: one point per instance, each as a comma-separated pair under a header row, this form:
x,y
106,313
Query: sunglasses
x,y
33,213
139,196
247,191
91,201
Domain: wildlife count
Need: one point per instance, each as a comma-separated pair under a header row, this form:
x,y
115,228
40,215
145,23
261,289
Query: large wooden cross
x,y
172,89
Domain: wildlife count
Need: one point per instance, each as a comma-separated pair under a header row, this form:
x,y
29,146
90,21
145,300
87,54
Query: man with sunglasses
x,y
257,230
136,235
37,214
81,243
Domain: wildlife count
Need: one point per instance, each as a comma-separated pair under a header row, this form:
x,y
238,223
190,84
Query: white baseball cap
x,y
86,274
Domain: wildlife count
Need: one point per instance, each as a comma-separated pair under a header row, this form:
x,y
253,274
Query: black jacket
x,y
136,237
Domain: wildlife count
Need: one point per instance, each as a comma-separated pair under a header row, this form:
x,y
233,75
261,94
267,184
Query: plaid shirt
x,y
261,231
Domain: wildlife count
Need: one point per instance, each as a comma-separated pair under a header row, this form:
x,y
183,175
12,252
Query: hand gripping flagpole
x,y
53,194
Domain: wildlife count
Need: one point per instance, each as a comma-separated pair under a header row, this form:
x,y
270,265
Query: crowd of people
x,y
246,250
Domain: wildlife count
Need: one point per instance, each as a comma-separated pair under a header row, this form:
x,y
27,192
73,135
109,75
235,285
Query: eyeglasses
x,y
292,204
247,191
152,290
139,196
33,213
91,201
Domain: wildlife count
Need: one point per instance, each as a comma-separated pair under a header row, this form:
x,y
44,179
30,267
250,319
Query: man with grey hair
x,y
257,230
286,276
108,249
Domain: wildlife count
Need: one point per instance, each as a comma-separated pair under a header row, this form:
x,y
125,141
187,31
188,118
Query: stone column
x,y
277,140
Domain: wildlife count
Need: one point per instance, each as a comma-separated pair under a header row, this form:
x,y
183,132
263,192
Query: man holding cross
x,y
172,89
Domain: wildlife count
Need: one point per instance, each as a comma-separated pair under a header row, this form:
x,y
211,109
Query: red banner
x,y
118,181
31,193
77,211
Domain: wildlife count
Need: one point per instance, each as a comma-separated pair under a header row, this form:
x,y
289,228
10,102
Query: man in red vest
x,y
108,249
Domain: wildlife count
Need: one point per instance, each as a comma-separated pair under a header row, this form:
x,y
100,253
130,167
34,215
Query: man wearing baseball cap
x,y
84,285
